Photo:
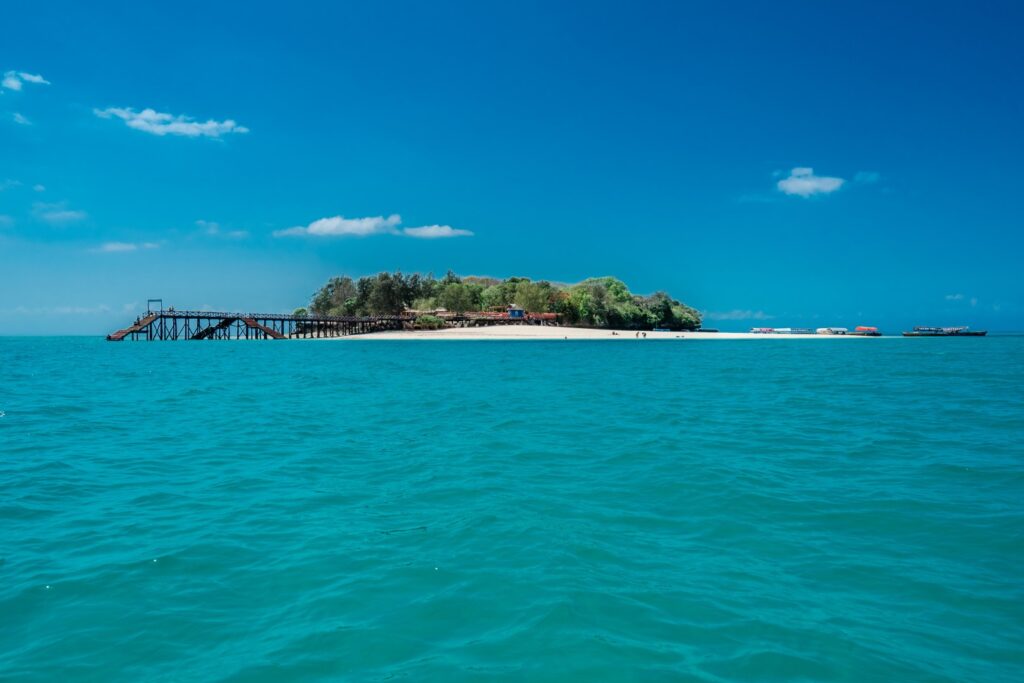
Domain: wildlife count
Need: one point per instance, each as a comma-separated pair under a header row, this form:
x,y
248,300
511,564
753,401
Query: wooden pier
x,y
172,325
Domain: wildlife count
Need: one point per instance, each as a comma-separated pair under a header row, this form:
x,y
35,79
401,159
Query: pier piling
x,y
171,325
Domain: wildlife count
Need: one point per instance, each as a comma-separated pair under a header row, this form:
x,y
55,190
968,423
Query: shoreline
x,y
554,333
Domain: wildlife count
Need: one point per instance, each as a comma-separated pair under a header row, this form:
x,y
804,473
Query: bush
x,y
429,322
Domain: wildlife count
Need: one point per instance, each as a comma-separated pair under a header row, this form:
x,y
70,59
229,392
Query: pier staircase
x,y
208,332
252,324
137,327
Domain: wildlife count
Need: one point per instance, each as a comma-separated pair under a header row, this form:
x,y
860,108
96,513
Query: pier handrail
x,y
281,316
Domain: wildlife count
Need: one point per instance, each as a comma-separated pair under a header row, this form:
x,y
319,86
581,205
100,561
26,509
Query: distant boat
x,y
944,332
781,330
866,331
832,330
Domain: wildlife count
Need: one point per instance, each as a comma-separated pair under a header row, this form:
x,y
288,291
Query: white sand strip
x,y
551,332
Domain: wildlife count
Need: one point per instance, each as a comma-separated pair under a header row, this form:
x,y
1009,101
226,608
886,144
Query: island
x,y
416,306
603,303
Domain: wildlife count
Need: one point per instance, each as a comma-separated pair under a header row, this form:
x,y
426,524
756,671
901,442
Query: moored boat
x,y
944,332
866,331
782,330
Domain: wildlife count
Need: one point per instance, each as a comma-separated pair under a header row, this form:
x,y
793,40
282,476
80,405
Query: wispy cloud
x,y
81,310
802,182
738,314
433,232
57,214
18,118
867,177
39,188
57,310
6,221
209,227
122,247
159,123
213,229
8,184
973,301
339,226
13,80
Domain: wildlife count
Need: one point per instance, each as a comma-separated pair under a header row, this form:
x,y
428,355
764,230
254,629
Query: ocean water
x,y
827,510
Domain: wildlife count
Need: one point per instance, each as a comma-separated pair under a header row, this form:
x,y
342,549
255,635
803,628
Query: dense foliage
x,y
595,302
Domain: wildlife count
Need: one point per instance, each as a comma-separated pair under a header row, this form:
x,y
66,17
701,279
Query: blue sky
x,y
801,163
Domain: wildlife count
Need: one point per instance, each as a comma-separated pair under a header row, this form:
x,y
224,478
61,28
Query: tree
x,y
594,302
459,297
334,297
385,294
494,297
533,297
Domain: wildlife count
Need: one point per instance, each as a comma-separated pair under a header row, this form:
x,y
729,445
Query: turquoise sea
x,y
826,510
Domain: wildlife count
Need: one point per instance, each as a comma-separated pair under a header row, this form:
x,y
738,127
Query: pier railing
x,y
172,325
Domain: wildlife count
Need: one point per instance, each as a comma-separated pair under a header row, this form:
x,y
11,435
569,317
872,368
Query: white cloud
x,y
158,123
8,184
18,118
867,177
973,301
802,182
13,80
39,188
120,247
57,310
738,314
339,226
431,232
57,213
209,227
81,310
33,78
212,228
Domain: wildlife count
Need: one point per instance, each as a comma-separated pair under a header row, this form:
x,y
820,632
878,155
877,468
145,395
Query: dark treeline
x,y
595,302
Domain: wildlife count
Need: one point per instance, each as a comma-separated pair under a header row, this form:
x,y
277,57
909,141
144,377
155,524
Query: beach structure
x,y
781,330
168,324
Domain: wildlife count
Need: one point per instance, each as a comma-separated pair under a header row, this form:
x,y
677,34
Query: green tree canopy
x,y
594,302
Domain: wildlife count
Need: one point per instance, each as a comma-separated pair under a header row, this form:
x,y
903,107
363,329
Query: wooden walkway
x,y
171,325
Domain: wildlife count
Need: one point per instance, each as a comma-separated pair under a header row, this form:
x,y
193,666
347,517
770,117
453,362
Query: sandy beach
x,y
552,332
